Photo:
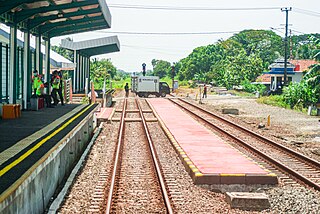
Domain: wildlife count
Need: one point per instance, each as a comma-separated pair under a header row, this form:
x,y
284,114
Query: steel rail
x,y
265,156
156,163
117,158
288,150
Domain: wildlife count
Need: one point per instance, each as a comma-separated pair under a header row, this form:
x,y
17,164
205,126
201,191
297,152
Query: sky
x,y
138,49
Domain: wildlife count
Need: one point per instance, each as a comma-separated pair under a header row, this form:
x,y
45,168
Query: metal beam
x,y
66,24
38,53
47,65
27,71
75,56
25,14
80,29
39,20
13,66
6,6
1,72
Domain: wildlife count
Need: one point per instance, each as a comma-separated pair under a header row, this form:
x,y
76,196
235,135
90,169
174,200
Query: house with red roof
x,y
295,71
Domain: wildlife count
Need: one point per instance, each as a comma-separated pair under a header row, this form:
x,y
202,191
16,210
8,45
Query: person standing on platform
x,y
60,87
36,81
40,93
204,91
126,88
55,81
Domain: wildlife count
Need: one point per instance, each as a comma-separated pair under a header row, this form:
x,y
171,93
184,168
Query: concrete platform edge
x,y
33,191
59,199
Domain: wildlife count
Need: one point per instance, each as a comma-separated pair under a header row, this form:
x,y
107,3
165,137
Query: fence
x,y
68,90
5,71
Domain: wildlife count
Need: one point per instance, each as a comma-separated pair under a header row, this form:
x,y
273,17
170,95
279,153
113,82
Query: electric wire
x,y
306,12
146,7
168,33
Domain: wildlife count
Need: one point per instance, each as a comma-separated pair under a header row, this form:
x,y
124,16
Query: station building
x,y
43,20
39,149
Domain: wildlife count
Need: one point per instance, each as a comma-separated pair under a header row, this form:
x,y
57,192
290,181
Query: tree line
x,y
236,61
243,57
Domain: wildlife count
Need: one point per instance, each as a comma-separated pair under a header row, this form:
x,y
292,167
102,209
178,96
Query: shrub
x,y
275,100
299,94
251,88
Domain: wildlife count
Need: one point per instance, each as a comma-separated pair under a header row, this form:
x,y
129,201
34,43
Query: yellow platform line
x,y
34,148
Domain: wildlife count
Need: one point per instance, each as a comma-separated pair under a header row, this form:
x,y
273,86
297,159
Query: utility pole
x,y
286,9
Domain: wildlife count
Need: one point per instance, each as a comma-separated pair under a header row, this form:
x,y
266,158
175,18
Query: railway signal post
x,y
144,69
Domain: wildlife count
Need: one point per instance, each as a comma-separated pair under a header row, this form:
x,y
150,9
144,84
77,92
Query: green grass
x,y
274,100
241,93
121,83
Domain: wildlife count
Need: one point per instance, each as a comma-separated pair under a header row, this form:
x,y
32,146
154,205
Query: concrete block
x,y
230,111
207,179
247,200
261,179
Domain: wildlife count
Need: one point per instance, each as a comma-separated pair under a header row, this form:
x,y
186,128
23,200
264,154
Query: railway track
x,y
137,184
296,165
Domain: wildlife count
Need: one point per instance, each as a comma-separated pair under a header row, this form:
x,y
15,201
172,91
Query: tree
x,y
199,62
68,54
99,69
304,46
161,68
265,44
307,92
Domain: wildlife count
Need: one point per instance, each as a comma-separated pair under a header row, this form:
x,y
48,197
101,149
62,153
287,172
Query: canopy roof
x,y
56,60
52,18
93,47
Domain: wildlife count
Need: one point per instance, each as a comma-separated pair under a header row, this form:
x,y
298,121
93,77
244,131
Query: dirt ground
x,y
291,128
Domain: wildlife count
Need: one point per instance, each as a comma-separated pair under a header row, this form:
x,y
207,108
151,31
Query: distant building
x,y
275,77
301,67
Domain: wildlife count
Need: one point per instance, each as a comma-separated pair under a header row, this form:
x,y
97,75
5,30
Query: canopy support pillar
x,y
27,71
13,65
38,54
47,66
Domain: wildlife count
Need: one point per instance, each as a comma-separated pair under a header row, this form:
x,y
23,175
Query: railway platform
x,y
207,158
37,151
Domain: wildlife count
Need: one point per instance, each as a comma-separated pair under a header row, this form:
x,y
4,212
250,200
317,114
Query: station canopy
x,y
93,47
51,18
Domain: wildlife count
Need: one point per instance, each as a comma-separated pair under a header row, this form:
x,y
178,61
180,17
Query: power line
x,y
146,7
277,29
306,12
168,33
153,50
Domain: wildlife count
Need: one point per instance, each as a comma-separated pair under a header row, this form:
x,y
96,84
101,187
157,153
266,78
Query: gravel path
x,y
291,128
189,198
81,196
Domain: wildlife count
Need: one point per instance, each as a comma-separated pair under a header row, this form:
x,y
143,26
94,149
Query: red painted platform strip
x,y
209,153
104,113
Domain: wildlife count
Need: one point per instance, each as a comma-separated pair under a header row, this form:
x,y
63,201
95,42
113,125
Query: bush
x,y
251,88
274,100
299,95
